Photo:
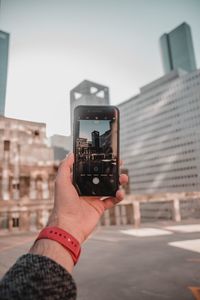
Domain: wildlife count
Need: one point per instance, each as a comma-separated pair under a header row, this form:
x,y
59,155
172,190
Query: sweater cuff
x,y
37,277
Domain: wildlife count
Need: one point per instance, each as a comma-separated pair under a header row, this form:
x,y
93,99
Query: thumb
x,y
65,168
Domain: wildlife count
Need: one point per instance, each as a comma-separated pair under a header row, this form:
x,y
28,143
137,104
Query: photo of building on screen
x,y
95,152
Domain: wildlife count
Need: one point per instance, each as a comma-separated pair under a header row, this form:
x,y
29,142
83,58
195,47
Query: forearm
x,y
55,251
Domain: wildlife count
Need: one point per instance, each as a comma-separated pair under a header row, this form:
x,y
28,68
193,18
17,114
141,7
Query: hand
x,y
74,214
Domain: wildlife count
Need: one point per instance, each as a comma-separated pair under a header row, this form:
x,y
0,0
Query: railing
x,y
173,207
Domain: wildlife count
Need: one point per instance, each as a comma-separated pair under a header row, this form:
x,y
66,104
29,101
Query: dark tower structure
x,y
95,139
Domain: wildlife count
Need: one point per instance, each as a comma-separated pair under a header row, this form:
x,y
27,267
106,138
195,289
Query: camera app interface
x,y
96,155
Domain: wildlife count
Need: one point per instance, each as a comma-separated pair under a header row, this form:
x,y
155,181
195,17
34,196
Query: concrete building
x,y
177,49
26,162
88,93
27,175
4,48
160,135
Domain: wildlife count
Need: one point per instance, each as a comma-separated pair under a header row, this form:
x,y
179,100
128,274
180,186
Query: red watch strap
x,y
63,238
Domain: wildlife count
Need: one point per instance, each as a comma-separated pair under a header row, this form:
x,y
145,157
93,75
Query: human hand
x,y
74,214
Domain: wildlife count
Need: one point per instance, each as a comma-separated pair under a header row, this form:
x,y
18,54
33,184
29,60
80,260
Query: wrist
x,y
73,230
55,251
67,225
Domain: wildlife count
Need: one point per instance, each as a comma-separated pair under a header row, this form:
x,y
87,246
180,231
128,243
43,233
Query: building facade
x,y
177,49
26,162
160,135
4,48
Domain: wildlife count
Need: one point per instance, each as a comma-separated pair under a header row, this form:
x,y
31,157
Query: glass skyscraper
x,y
4,47
177,49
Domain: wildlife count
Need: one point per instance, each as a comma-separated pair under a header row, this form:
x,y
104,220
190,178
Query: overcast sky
x,y
55,44
88,126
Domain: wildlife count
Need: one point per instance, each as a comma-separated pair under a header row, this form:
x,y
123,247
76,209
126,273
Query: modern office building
x,y
88,93
177,49
160,135
4,48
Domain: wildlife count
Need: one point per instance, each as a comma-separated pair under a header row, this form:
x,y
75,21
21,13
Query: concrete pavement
x,y
121,263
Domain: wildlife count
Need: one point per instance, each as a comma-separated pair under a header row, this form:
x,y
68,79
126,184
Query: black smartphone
x,y
96,150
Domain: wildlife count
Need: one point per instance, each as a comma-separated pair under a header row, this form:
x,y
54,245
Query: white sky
x,y
55,44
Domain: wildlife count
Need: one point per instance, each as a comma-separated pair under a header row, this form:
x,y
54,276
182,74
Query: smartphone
x,y
96,150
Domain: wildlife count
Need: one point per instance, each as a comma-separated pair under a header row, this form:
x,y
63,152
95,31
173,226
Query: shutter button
x,y
95,180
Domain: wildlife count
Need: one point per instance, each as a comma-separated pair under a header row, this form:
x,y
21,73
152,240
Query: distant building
x,y
160,135
4,48
82,143
26,162
106,141
177,49
61,145
95,139
62,141
88,93
59,153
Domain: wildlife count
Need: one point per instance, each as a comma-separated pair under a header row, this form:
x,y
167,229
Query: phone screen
x,y
96,150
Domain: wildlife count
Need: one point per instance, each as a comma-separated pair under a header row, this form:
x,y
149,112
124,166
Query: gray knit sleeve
x,y
37,277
